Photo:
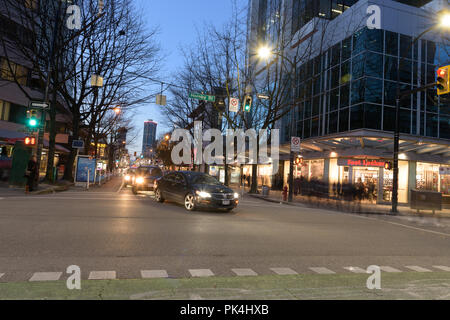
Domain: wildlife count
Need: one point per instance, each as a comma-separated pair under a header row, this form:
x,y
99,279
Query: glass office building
x,y
346,100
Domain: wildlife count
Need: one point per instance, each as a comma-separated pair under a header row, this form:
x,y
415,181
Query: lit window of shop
x,y
445,179
427,176
317,169
4,110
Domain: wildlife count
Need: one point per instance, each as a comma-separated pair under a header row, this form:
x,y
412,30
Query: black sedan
x,y
195,190
145,177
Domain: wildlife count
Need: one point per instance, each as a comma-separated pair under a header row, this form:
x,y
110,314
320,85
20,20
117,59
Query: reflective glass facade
x,y
353,86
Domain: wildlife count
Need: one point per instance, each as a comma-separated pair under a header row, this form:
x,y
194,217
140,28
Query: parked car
x,y
195,190
145,177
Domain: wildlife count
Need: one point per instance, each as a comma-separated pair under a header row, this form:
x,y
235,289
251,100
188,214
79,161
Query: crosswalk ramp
x,y
238,272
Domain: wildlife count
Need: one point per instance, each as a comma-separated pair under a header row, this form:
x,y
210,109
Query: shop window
x,y
427,176
317,169
445,183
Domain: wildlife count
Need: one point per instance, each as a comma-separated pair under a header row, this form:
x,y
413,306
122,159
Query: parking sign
x,y
295,144
234,105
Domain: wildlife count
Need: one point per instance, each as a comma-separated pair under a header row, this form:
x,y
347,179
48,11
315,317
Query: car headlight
x,y
236,195
140,180
203,194
127,178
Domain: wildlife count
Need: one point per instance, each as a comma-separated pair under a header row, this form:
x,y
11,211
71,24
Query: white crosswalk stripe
x,y
46,276
355,269
102,275
1,275
284,271
151,274
389,269
321,270
443,268
244,272
201,272
418,269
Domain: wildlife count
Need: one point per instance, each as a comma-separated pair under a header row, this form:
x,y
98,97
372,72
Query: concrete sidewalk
x,y
43,188
348,206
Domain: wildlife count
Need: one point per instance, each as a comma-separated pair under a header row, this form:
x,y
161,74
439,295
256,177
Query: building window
x,y
4,110
11,69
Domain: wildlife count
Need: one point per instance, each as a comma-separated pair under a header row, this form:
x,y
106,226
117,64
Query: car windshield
x,y
205,179
152,172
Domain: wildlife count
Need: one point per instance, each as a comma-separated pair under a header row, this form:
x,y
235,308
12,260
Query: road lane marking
x,y
321,270
390,269
102,275
284,271
244,272
443,268
201,272
45,276
417,269
153,274
355,269
1,275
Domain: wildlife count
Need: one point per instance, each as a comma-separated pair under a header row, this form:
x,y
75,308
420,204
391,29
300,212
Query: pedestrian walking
x,y
31,174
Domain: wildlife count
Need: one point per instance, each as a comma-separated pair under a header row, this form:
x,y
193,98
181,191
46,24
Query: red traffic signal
x,y
30,141
443,80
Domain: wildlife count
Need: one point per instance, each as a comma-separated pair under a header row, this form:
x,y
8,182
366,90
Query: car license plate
x,y
226,202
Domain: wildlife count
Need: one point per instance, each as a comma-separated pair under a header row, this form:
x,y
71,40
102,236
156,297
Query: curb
x,y
302,205
52,190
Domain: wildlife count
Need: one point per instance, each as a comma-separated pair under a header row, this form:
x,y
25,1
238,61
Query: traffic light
x,y
32,118
247,103
30,141
443,80
388,165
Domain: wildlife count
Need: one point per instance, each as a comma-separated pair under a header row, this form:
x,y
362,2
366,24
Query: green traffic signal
x,y
32,122
247,103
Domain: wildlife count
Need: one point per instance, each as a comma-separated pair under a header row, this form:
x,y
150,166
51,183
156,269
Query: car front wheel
x,y
189,202
158,196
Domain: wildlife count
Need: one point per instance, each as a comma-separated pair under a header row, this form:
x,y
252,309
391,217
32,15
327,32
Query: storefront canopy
x,y
10,137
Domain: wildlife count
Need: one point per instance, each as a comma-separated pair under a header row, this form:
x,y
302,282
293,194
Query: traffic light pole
x,y
292,129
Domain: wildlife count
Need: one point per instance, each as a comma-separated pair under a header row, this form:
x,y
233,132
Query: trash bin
x,y
265,191
426,200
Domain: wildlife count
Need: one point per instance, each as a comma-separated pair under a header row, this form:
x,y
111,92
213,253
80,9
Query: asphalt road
x,y
110,229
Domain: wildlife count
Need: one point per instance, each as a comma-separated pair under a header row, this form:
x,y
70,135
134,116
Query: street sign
x,y
77,144
295,144
233,105
39,105
199,96
263,96
161,100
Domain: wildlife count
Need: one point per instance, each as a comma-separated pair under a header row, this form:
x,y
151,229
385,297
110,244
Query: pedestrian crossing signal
x,y
443,80
30,141
298,161
388,166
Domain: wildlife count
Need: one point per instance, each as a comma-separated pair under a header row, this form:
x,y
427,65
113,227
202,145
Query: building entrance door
x,y
367,178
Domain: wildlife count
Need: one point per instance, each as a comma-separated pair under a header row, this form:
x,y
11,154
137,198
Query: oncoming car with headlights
x,y
195,190
145,177
128,177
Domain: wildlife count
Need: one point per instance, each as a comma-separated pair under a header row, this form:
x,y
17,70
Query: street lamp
x,y
264,53
444,23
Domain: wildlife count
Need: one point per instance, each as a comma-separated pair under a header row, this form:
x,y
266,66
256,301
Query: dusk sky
x,y
177,20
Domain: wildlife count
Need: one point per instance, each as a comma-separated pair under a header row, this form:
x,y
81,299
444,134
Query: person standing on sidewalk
x,y
31,174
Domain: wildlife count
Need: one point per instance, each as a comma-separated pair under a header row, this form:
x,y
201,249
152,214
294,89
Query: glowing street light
x,y
264,53
445,19
167,137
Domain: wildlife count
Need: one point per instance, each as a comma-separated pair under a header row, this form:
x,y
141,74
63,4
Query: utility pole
x,y
292,127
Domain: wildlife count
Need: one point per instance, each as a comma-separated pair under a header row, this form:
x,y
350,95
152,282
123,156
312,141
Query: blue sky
x,y
177,21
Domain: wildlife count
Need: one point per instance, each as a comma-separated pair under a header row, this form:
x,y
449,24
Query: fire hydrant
x,y
285,193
